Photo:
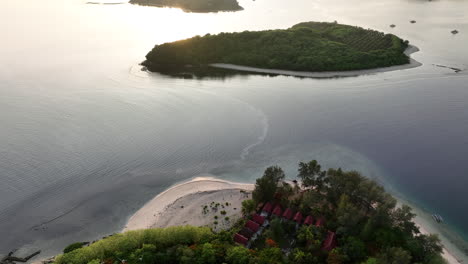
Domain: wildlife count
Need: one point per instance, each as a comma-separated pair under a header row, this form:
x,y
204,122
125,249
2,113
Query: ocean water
x,y
86,138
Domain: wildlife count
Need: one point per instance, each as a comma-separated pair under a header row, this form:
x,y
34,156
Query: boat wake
x,y
265,127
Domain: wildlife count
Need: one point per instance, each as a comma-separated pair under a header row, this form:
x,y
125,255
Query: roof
x,y
258,219
246,232
252,226
267,207
309,220
240,239
288,213
298,217
277,211
330,241
320,222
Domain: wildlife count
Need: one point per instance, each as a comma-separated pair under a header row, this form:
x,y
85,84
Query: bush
x,y
73,246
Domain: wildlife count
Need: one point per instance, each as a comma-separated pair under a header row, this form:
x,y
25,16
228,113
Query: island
x,y
322,216
195,6
305,47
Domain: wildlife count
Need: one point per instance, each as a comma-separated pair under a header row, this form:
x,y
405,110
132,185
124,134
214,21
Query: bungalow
x,y
258,219
246,232
277,211
267,209
320,222
298,218
330,242
252,226
240,239
309,220
288,213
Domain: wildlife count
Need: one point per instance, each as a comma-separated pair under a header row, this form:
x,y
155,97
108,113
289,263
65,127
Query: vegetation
x,y
309,46
198,6
370,229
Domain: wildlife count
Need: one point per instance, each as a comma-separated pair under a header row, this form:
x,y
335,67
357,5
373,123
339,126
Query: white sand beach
x,y
331,74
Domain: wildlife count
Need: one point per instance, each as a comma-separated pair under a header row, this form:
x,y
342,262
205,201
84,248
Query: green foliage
x,y
73,246
238,255
265,187
248,206
310,46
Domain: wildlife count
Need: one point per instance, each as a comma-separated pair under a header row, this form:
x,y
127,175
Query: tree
x,y
238,255
335,257
354,249
395,255
208,254
265,187
311,174
248,206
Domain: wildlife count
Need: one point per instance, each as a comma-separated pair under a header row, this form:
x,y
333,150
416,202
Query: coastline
x,y
331,74
176,206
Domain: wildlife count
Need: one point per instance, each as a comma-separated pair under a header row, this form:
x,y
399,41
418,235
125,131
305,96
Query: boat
x,y
454,31
438,218
392,26
413,21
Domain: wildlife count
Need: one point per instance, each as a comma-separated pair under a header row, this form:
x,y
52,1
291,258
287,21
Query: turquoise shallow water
x,y
86,138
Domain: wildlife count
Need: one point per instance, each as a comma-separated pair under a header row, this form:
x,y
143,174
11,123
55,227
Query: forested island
x,y
325,216
196,6
308,46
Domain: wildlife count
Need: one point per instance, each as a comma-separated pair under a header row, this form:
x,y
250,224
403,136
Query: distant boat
x,y
413,21
392,26
454,31
438,218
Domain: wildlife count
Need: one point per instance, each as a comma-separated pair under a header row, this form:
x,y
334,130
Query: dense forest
x,y
366,225
309,46
197,6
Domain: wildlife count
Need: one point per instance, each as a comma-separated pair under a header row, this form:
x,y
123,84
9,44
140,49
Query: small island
x,y
195,6
325,216
308,46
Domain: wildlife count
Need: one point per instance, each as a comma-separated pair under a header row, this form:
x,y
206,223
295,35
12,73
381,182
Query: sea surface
x,y
86,137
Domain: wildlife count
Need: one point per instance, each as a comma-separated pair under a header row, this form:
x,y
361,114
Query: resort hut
x,y
330,241
267,209
252,226
258,219
320,222
309,220
277,211
240,239
246,232
288,213
298,218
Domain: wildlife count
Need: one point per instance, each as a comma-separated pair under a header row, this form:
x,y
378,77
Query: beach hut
x,y
288,213
320,222
258,219
246,232
252,226
298,218
330,241
309,220
267,209
240,239
277,211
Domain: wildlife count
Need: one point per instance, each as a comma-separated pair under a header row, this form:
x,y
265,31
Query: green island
x,y
308,46
326,216
196,6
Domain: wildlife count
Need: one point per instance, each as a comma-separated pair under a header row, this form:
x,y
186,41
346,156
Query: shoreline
x,y
176,205
330,74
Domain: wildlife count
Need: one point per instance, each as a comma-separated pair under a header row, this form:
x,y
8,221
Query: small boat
x,y
454,31
413,21
392,26
438,218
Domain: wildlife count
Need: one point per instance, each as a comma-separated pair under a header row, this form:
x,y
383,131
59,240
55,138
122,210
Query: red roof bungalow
x,y
309,220
298,218
277,211
320,222
240,239
252,226
330,242
288,213
258,219
267,208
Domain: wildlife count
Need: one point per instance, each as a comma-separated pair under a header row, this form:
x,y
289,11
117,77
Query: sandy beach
x,y
331,74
